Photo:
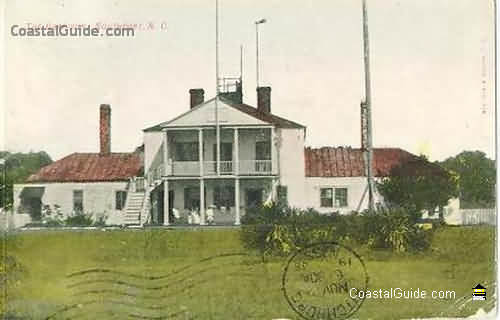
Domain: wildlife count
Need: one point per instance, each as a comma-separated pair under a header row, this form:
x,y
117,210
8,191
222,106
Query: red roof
x,y
270,118
90,167
265,116
349,162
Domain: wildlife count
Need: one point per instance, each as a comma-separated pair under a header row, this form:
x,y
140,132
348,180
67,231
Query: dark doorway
x,y
31,201
35,208
161,210
171,198
254,197
161,201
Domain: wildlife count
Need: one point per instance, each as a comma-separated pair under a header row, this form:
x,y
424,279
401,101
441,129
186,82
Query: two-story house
x,y
221,157
205,166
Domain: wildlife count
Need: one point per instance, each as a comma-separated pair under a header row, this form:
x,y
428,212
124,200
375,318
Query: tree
x,y
18,167
418,185
476,178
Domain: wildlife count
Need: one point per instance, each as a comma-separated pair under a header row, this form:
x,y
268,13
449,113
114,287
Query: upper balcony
x,y
242,152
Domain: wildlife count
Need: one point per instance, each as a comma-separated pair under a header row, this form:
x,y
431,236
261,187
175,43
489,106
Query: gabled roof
x,y
91,167
349,162
268,118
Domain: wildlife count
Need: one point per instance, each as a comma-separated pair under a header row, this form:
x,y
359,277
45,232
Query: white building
x,y
92,183
262,157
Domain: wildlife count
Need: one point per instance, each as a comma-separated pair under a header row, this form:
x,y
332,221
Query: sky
x,y
432,70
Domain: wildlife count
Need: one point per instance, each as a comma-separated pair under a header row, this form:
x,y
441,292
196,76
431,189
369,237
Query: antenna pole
x,y
257,51
217,129
241,63
368,104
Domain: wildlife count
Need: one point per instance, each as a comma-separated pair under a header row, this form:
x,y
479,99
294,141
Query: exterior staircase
x,y
133,208
139,191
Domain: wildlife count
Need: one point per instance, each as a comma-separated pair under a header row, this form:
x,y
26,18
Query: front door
x,y
171,198
35,205
160,207
254,197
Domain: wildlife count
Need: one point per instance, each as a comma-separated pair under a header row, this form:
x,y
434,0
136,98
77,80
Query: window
x,y
224,196
78,201
191,198
226,151
341,197
262,150
120,199
326,197
186,151
282,195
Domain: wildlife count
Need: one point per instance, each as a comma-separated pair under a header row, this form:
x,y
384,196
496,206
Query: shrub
x,y
418,185
396,230
100,221
280,230
52,217
52,222
79,220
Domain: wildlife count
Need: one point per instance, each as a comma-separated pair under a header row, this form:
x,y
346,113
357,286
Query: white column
x,y
236,156
165,154
217,141
237,201
274,154
200,149
165,203
202,202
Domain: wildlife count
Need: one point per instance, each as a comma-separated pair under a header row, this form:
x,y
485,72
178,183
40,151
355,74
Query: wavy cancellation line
x,y
105,291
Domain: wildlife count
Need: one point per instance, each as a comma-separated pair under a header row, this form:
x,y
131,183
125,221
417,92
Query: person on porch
x,y
194,217
211,214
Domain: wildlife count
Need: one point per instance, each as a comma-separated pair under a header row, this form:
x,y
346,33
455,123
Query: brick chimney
x,y
264,99
105,129
197,97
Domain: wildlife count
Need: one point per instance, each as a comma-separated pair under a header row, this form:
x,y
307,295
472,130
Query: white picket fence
x,y
478,216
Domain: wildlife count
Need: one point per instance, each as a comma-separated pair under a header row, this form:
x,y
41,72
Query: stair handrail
x,y
157,167
154,173
130,189
144,206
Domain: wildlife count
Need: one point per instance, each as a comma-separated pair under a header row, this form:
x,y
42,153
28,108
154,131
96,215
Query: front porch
x,y
215,201
193,152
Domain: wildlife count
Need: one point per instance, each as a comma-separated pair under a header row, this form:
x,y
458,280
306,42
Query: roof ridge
x,y
90,166
259,112
161,124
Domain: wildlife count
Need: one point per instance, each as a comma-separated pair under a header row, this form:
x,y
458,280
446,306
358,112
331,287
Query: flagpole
x,y
257,52
368,104
217,129
257,48
241,64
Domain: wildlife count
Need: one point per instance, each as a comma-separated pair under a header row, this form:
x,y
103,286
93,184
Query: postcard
x,y
215,159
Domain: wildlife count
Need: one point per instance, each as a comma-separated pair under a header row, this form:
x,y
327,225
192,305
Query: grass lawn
x,y
202,274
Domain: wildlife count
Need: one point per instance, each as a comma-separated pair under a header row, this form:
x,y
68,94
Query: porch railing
x,y
136,184
246,167
187,168
210,167
255,167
